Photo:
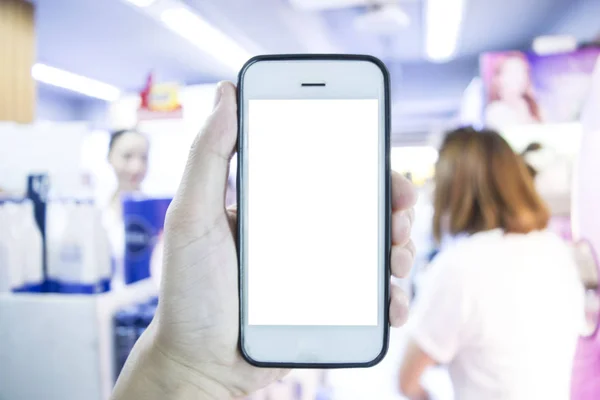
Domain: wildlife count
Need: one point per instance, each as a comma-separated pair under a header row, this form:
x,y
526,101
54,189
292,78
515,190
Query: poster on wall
x,y
526,88
159,101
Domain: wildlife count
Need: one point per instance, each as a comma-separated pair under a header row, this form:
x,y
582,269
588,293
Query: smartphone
x,y
313,210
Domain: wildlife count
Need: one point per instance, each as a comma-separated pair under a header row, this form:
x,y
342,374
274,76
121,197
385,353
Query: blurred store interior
x,y
74,71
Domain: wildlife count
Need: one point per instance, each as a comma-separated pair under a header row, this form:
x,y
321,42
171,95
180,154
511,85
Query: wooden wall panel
x,y
17,55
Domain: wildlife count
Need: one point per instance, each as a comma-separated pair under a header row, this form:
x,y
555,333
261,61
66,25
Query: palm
x,y
199,312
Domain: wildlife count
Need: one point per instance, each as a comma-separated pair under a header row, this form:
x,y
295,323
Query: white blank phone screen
x,y
312,212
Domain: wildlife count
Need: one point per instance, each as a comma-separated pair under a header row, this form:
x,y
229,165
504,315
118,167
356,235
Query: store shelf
x,y
60,347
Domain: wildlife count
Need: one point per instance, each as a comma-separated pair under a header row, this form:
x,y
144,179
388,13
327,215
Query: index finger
x,y
404,195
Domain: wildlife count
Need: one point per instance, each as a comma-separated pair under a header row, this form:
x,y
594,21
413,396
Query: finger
x,y
411,215
232,219
205,178
404,195
398,306
402,259
401,226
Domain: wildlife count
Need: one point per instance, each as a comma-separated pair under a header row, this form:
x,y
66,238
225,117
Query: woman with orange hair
x,y
501,304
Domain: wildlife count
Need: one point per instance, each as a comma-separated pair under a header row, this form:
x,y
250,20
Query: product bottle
x,y
56,220
72,251
88,275
97,258
65,250
96,262
33,252
14,248
102,253
5,261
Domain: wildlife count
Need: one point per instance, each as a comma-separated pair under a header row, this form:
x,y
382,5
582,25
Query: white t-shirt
x,y
504,312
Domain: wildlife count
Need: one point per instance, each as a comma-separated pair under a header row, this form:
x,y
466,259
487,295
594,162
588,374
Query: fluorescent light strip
x,y
141,3
76,83
443,21
204,36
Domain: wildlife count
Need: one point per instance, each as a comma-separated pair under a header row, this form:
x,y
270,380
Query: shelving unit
x,y
60,347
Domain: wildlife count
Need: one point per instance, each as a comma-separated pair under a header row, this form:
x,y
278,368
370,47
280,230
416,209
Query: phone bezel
x,y
382,329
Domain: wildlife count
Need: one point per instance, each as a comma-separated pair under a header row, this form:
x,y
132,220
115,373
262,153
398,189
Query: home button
x,y
308,357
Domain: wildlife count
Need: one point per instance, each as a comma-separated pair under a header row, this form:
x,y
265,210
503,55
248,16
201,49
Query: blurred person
x,y
511,98
190,350
531,148
128,156
422,235
501,304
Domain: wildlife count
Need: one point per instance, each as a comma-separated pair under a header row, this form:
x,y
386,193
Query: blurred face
x,y
513,78
129,159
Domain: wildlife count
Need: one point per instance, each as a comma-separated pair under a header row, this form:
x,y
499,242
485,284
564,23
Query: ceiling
x,y
114,42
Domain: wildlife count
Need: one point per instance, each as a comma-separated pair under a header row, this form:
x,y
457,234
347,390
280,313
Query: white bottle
x,y
96,270
79,258
55,225
6,271
89,273
103,254
33,256
14,248
64,246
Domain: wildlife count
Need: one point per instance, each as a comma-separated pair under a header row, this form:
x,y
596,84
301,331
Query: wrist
x,y
151,374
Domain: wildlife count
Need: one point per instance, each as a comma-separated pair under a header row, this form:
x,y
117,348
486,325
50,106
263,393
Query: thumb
x,y
205,178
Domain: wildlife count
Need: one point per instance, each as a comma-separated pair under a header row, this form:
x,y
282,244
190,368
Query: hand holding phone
x,y
192,345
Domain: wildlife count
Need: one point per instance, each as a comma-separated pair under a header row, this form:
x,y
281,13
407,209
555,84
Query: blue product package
x,y
146,314
78,288
144,223
153,301
125,336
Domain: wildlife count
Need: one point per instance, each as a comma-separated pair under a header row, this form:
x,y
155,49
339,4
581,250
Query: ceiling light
x,y
321,5
443,21
141,3
204,36
76,83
